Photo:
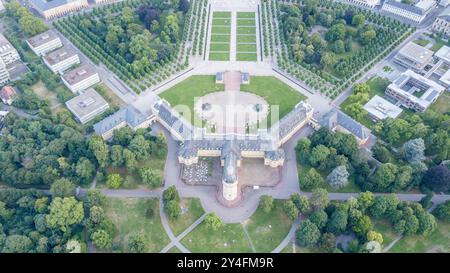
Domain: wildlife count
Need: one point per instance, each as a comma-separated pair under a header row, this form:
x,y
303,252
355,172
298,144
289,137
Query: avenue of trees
x,y
30,24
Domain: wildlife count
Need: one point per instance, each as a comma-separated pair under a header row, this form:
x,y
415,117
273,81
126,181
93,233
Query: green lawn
x,y
246,39
220,30
246,22
193,212
267,230
195,86
230,238
438,241
219,47
246,30
221,14
219,56
245,15
246,48
246,57
129,217
275,92
220,38
442,104
222,22
422,42
385,228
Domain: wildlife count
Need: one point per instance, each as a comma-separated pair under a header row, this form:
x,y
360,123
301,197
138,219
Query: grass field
x,y
193,210
228,238
219,56
221,14
246,37
42,92
109,95
195,86
385,228
219,46
267,230
442,105
129,217
422,42
220,38
247,57
275,92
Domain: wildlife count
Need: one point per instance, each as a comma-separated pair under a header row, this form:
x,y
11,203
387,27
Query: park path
x,y
289,237
248,238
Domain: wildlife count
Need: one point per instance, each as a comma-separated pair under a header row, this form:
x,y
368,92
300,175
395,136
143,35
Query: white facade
x,y
415,13
230,190
442,23
57,8
4,74
8,53
44,43
61,60
364,3
378,108
83,84
87,106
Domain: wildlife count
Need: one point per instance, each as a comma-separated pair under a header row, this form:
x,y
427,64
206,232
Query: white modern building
x,y
414,91
80,78
8,53
62,59
415,12
4,74
102,1
442,23
87,105
413,56
364,3
379,108
2,6
44,42
56,8
443,66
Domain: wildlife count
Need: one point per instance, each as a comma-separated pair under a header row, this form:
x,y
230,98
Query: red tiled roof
x,y
7,92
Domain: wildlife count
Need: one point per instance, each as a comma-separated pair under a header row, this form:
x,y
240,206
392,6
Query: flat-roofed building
x,y
443,54
414,91
8,53
80,78
2,7
415,12
87,105
61,59
442,23
364,3
44,42
55,8
413,56
102,1
4,74
379,108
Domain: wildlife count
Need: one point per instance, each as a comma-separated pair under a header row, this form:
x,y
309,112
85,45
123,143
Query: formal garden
x,y
143,42
328,45
246,37
219,45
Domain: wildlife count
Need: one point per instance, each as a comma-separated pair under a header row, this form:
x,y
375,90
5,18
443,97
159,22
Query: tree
x,y
301,202
383,205
290,209
338,221
327,59
100,150
336,32
414,150
375,236
310,180
427,223
62,187
183,5
442,211
85,169
437,178
266,203
137,243
319,218
384,177
94,198
172,208
302,150
365,200
338,47
358,20
170,193
381,153
308,234
327,242
150,177
101,239
212,221
113,181
318,155
362,225
319,198
64,213
17,244
117,156
338,177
